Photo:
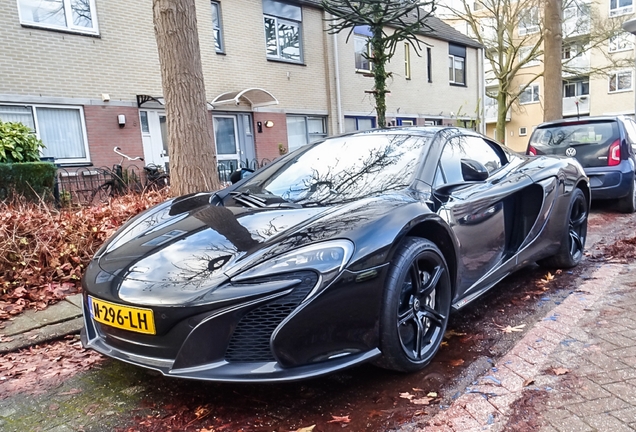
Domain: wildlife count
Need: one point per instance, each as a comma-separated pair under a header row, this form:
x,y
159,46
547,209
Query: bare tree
x,y
192,158
390,22
552,63
514,36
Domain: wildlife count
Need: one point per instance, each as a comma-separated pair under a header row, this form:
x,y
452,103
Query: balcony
x,y
577,65
570,105
490,114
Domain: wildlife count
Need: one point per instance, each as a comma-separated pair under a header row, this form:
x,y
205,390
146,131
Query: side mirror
x,y
240,174
473,170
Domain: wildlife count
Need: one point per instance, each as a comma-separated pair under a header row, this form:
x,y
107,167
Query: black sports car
x,y
348,250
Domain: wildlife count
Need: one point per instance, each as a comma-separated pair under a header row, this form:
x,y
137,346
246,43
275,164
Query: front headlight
x,y
328,258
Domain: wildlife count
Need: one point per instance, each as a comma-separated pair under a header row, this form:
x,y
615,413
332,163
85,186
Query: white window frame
x,y
621,42
620,10
534,92
452,58
407,60
523,131
362,38
616,76
217,29
68,13
530,27
310,137
577,88
287,21
34,114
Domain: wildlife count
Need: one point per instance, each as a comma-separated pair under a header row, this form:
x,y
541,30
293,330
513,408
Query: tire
x,y
628,203
573,241
414,315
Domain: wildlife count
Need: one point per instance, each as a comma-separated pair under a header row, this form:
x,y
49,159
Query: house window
x,y
457,64
217,27
529,21
524,53
620,7
429,66
283,31
62,130
72,15
353,124
303,130
620,81
576,88
407,60
362,48
621,42
523,131
529,95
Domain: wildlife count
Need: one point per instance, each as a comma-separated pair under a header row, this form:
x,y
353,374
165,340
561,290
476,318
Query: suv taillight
x,y
614,156
532,151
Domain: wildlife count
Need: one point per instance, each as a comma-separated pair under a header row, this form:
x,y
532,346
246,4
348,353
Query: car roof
x,y
580,120
412,130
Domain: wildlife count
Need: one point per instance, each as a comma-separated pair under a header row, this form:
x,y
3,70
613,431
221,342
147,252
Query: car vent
x,y
250,341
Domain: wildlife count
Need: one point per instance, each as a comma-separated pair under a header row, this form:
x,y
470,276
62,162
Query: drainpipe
x,y
336,66
481,85
630,26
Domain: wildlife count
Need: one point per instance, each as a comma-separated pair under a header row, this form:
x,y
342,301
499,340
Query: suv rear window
x,y
590,141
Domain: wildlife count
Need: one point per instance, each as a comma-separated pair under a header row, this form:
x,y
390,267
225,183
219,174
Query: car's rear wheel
x,y
416,306
628,204
573,242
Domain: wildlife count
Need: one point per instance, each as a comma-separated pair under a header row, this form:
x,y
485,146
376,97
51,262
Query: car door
x,y
480,213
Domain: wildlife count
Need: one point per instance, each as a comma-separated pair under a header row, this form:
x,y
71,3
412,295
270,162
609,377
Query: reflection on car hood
x,y
193,240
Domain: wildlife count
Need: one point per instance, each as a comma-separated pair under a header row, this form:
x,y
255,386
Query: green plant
x,y
18,143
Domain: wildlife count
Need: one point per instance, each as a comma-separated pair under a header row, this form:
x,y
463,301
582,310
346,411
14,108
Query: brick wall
x,y
267,142
104,134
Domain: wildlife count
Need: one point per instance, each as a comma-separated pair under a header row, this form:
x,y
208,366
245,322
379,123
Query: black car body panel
x,y
204,265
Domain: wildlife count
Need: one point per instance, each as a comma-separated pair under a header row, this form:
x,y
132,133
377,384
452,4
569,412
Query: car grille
x,y
250,340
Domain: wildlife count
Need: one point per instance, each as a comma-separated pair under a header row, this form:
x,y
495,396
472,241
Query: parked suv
x,y
605,148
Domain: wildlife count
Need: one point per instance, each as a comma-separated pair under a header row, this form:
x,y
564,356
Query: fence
x,y
86,186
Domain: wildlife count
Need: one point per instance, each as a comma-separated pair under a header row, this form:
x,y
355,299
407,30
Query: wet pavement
x,y
471,367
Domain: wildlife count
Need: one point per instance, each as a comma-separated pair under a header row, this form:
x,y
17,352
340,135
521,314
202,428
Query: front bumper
x,y
277,337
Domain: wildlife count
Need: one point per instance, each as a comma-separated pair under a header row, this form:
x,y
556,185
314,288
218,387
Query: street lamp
x,y
630,26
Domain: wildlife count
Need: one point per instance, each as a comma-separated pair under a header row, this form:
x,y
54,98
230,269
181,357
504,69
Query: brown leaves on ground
x,y
37,368
511,329
622,250
339,419
560,371
43,251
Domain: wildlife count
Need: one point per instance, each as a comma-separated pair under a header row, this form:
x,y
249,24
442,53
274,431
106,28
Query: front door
x,y
154,132
234,142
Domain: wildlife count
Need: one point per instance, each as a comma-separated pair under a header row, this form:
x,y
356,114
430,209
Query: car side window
x,y
630,128
466,147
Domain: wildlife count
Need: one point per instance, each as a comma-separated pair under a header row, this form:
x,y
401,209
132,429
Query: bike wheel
x,y
102,193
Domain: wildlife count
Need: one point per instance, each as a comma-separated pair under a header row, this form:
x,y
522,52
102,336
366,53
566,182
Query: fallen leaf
x,y
451,333
456,362
432,395
421,401
415,389
339,419
549,277
72,391
528,382
560,371
306,429
510,329
407,395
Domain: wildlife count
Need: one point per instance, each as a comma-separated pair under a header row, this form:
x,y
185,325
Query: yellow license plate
x,y
128,318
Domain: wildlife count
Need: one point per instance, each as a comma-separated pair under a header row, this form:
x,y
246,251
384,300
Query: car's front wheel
x,y
573,242
416,306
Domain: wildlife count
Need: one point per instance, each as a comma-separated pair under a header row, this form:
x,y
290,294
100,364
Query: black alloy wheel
x,y
416,306
573,243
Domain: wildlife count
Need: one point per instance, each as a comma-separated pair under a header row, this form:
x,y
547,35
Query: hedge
x,y
33,180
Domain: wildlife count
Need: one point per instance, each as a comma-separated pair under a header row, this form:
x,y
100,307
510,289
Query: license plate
x,y
124,317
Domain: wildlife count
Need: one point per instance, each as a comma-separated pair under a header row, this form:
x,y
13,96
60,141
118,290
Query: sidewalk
x,y
34,327
575,370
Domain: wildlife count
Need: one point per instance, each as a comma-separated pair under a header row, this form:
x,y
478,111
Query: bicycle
x,y
122,181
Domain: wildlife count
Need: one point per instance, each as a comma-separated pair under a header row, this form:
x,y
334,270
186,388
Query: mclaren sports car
x,y
348,250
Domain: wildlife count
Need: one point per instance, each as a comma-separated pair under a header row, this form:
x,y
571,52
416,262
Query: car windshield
x,y
342,169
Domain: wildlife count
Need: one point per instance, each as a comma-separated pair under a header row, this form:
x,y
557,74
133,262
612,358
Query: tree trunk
x,y
379,59
502,114
553,42
192,158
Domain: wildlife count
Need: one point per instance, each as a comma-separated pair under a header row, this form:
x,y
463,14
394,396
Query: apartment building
x,y
597,77
84,74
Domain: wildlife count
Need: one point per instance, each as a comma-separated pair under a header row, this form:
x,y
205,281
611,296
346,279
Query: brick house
x,y
85,76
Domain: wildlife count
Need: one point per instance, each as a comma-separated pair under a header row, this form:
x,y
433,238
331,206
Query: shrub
x,y
18,143
32,180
